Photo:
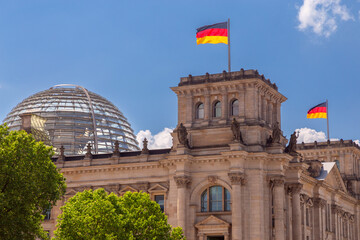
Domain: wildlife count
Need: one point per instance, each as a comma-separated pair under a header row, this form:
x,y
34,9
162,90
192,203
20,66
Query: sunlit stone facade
x,y
231,179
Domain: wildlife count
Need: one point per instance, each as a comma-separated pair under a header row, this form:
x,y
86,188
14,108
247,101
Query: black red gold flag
x,y
319,111
215,33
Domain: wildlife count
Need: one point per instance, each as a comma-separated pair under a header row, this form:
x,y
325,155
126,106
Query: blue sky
x,y
131,52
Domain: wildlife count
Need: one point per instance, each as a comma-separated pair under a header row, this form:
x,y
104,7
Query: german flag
x,y
319,111
216,33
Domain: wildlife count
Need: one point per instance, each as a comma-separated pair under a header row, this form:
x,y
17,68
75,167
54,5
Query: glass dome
x,y
72,116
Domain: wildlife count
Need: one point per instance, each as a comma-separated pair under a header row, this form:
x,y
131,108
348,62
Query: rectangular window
x,y
47,213
159,199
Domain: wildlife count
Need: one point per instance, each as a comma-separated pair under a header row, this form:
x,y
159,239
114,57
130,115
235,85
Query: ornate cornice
x,y
182,181
110,168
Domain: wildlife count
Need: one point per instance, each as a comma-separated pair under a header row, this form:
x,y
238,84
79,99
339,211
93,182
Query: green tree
x,y
98,215
29,182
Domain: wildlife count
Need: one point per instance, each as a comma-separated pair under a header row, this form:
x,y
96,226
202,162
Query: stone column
x,y
279,195
207,107
295,189
288,215
319,203
237,179
242,104
189,109
264,108
335,210
182,182
224,105
270,113
201,236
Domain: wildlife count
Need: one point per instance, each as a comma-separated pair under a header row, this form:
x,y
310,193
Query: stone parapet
x,y
225,76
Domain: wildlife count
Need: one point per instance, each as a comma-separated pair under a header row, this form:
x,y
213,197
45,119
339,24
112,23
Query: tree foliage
x,y
29,182
98,215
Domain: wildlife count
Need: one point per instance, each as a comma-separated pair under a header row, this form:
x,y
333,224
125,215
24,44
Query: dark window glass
x,y
159,199
227,200
47,213
219,199
217,109
215,199
235,108
200,111
204,201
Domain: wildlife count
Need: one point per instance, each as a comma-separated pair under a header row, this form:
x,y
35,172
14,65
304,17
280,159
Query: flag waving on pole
x,y
215,33
319,111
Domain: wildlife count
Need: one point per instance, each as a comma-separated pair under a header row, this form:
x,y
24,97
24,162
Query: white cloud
x,y
160,140
308,135
357,142
321,16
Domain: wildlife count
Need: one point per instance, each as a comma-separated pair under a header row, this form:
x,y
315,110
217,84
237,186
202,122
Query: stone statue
x,y
276,133
235,128
182,135
315,167
291,148
145,149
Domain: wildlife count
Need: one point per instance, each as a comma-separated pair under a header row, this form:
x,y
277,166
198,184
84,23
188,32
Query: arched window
x,y
200,111
215,199
235,108
217,109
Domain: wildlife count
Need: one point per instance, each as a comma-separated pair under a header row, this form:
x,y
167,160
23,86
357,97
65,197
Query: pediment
x,y
128,189
212,221
334,179
157,188
70,192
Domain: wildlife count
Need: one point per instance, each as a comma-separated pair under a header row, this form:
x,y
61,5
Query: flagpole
x,y
228,25
327,118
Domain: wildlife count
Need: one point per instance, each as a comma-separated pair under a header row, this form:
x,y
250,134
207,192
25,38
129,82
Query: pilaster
x,y
294,190
237,179
182,183
278,204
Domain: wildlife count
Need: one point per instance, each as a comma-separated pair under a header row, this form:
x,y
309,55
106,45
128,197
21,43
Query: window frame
x,y
225,202
214,108
232,107
163,206
197,115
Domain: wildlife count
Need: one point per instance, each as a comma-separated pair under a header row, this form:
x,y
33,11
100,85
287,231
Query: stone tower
x,y
208,104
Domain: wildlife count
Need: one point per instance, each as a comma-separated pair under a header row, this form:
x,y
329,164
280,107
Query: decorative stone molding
x,y
335,208
182,181
294,188
116,152
127,189
212,179
237,178
319,202
61,157
143,186
145,149
88,155
278,180
304,198
310,202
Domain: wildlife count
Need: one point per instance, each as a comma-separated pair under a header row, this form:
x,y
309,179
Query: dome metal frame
x,y
75,117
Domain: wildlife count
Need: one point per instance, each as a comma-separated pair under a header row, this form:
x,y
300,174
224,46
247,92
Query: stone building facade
x,y
227,175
